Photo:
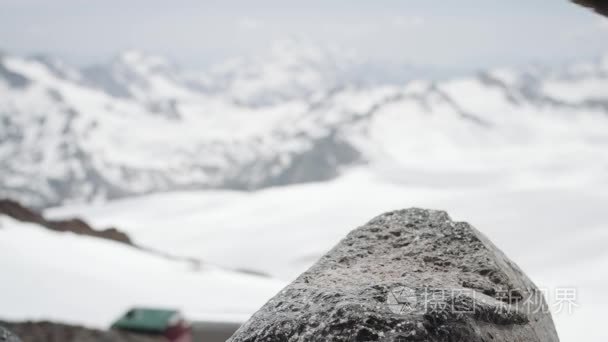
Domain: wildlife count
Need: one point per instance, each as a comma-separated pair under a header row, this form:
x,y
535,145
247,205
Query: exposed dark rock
x,y
600,6
75,225
7,336
55,332
408,275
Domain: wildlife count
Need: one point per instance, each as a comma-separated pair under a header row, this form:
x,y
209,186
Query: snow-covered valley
x,y
67,278
556,231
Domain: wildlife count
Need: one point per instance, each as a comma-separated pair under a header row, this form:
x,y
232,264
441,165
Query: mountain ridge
x,y
69,137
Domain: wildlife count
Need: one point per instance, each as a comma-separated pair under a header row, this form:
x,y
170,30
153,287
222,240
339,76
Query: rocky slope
x,y
77,226
56,332
141,125
407,275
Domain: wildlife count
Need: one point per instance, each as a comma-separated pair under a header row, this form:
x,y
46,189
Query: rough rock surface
x,y
408,275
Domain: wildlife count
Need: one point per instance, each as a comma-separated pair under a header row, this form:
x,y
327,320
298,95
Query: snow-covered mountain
x,y
140,124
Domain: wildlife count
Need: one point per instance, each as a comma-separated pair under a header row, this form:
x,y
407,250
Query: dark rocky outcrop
x,y
74,225
55,332
408,275
77,226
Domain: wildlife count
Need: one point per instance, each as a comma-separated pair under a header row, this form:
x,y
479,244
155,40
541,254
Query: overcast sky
x,y
195,33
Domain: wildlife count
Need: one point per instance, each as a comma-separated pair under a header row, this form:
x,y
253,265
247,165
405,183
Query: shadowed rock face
x,y
408,275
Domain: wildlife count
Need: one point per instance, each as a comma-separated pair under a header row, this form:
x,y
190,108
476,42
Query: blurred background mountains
x,y
226,162
299,113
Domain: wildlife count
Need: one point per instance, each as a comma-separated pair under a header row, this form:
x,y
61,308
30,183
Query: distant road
x,y
213,331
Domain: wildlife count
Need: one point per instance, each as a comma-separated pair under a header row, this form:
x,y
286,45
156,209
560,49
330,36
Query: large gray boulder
x,y
408,275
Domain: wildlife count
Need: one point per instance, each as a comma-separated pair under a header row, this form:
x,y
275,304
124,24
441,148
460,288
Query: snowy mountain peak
x,y
59,68
143,63
291,69
295,52
9,77
151,80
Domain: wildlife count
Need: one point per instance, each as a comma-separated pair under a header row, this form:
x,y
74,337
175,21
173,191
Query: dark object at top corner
x,y
600,6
